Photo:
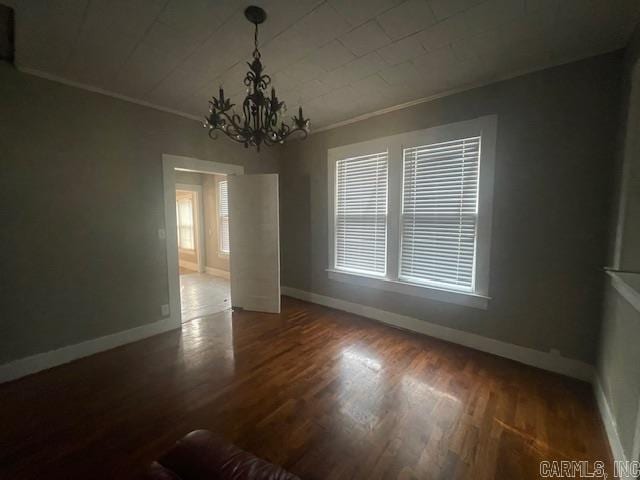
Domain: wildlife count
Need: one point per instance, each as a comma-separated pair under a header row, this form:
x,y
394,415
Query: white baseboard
x,y
529,356
42,361
609,421
218,273
189,265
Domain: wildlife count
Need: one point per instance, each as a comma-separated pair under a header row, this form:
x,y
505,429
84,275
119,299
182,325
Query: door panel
x,y
254,237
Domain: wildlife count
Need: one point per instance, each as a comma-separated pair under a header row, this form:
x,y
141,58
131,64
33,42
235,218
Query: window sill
x,y
467,299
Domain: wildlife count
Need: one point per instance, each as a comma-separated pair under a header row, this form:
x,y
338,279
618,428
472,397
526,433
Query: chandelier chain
x,y
256,52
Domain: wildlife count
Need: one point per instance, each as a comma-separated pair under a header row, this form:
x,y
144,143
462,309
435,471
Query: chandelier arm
x,y
231,121
295,131
236,120
233,136
285,129
234,129
268,141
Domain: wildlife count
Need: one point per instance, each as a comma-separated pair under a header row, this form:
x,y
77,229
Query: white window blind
x,y
223,217
361,214
186,237
439,213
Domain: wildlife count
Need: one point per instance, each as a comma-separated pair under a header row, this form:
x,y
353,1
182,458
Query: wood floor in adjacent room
x,y
326,394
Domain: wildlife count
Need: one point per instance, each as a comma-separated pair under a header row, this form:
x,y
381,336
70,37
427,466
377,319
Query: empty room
x,y
319,239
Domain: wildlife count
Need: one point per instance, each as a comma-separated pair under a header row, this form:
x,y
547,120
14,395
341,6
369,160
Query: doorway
x,y
197,229
202,216
252,221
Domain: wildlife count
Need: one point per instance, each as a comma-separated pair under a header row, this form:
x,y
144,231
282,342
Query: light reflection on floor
x,y
196,336
418,391
360,396
364,388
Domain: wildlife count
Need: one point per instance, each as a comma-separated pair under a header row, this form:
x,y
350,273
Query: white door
x,y
254,240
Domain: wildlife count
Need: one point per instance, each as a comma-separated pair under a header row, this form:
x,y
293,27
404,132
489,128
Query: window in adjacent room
x,y
186,234
223,217
412,213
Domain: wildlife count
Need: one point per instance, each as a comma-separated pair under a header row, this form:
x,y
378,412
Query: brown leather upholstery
x,y
201,455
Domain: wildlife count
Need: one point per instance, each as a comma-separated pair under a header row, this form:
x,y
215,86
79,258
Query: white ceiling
x,y
338,58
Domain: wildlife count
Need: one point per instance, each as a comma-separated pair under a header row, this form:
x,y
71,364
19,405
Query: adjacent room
x,y
319,239
202,216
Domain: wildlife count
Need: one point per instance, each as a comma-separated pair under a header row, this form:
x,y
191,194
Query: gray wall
x,y
553,178
619,357
82,201
627,238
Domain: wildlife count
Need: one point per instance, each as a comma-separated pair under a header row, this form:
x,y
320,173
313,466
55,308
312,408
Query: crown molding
x,y
102,91
342,123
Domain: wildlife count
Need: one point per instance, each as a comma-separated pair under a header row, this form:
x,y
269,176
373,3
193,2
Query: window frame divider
x,y
394,209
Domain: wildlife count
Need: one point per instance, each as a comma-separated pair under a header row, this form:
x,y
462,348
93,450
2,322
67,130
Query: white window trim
x,y
486,127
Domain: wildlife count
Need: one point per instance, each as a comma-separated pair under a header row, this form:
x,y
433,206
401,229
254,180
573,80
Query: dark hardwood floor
x,y
326,394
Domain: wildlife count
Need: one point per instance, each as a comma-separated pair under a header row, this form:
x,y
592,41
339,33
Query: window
x,y
439,212
412,213
186,237
361,214
223,217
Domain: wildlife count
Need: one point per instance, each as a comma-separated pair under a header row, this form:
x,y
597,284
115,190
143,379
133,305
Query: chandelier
x,y
261,119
